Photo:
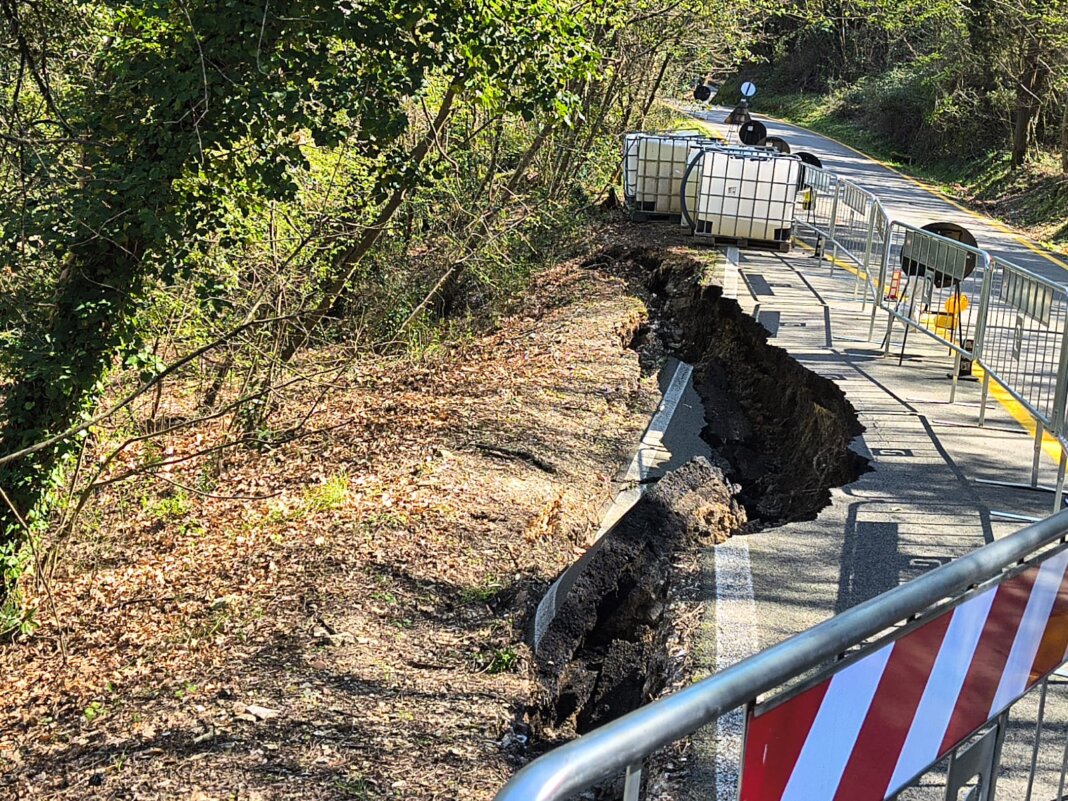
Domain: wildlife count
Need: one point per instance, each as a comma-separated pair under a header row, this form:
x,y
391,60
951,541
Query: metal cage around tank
x,y
653,169
746,195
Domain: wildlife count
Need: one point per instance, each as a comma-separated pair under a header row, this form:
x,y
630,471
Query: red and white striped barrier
x,y
870,729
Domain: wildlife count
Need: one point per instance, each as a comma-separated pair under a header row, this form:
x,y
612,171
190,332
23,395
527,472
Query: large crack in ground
x,y
783,430
780,436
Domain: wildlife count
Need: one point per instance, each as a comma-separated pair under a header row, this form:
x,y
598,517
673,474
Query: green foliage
x,y
263,178
497,660
931,81
166,133
94,710
329,495
173,507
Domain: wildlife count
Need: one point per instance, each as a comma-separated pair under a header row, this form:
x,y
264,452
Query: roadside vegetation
x,y
971,98
205,208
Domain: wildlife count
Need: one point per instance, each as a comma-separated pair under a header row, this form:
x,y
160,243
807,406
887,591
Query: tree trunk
x,y
1029,87
656,87
1064,136
58,380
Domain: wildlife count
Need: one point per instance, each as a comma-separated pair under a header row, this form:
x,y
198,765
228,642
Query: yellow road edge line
x,y
1051,446
1005,229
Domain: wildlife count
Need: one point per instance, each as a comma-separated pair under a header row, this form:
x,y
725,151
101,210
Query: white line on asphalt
x,y
650,451
736,633
736,638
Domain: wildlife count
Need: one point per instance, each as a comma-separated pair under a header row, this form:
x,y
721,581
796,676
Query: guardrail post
x,y
1058,495
1040,719
889,311
986,394
1060,398
956,374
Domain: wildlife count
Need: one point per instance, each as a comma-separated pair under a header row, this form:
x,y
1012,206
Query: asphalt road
x,y
923,504
903,198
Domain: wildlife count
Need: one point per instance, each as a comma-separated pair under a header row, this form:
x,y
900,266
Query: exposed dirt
x,y
343,616
778,430
605,652
784,430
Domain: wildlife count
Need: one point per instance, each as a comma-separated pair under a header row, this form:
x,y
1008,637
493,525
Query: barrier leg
x,y
986,394
889,333
1038,739
874,311
632,784
905,333
1064,764
1058,494
1039,431
956,373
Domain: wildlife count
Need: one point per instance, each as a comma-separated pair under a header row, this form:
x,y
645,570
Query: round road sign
x,y
748,89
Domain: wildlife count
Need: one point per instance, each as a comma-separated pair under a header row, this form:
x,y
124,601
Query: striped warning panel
x,y
870,729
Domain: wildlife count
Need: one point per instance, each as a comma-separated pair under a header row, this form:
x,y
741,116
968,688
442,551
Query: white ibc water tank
x,y
653,167
745,193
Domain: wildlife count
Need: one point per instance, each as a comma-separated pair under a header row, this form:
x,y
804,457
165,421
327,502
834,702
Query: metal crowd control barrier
x,y
997,315
937,279
967,600
1025,350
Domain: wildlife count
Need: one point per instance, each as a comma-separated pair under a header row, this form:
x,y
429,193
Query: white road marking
x,y
736,638
650,453
736,632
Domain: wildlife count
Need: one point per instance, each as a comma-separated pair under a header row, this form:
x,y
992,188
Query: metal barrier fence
x,y
1003,318
945,617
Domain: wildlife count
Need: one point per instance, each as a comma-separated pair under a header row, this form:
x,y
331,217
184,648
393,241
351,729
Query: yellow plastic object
x,y
956,304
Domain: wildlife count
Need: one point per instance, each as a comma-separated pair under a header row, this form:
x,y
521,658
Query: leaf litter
x,y
344,616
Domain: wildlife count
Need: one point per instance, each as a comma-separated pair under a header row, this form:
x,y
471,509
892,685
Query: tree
x,y
128,147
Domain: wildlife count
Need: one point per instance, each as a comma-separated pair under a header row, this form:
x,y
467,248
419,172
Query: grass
x,y
1033,199
329,495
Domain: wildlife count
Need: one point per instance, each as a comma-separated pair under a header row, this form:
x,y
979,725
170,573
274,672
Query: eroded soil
x,y
346,615
780,436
